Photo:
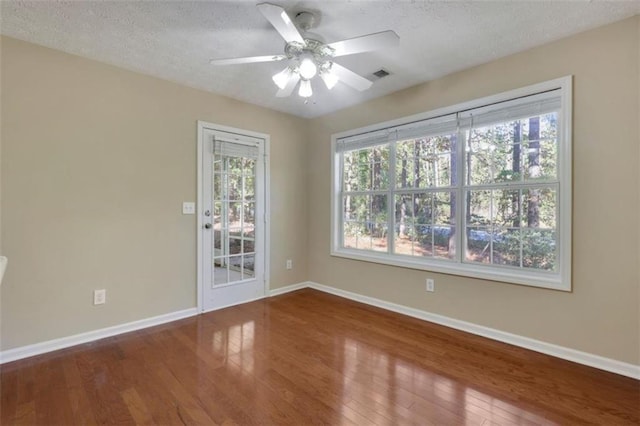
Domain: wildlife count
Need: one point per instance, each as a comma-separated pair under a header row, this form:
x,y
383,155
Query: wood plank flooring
x,y
309,358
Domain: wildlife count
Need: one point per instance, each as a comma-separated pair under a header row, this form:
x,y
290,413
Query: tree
x,y
403,201
417,162
533,207
515,201
454,181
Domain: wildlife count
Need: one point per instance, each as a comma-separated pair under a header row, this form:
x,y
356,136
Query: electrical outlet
x,y
99,297
431,286
289,264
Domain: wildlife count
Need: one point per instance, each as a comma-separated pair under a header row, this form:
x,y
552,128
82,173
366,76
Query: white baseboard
x,y
90,336
230,305
596,361
289,288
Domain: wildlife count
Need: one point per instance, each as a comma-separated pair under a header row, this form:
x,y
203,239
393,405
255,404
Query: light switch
x,y
188,208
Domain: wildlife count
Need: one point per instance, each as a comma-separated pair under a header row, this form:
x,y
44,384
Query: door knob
x,y
207,226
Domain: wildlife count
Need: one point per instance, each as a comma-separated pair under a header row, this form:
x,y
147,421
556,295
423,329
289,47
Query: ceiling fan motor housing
x,y
309,56
321,53
305,20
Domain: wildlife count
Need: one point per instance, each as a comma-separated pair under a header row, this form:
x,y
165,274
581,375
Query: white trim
x,y
270,293
290,288
506,275
217,308
452,109
267,215
199,224
3,267
560,280
201,126
591,360
90,336
565,174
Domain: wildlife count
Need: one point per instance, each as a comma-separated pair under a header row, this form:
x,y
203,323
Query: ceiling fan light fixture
x,y
308,68
329,78
282,78
309,56
305,89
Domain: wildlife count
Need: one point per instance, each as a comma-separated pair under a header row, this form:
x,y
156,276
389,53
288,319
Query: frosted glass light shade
x,y
305,89
330,79
282,78
308,69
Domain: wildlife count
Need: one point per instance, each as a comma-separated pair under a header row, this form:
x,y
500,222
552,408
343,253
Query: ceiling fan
x,y
309,57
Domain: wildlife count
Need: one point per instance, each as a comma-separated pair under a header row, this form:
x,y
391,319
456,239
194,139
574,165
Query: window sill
x,y
531,279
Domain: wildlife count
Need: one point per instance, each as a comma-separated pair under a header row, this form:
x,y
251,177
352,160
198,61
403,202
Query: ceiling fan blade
x,y
281,22
350,78
365,43
248,60
288,89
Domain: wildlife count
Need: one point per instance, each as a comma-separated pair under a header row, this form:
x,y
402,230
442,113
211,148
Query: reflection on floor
x,y
309,358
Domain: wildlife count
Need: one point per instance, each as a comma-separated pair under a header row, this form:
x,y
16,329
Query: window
x,y
481,189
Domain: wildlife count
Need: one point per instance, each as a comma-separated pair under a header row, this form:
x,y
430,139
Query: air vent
x,y
381,73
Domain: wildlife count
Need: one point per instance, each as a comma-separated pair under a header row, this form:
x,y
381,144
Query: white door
x,y
232,221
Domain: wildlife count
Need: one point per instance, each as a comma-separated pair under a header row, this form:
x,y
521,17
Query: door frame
x,y
202,125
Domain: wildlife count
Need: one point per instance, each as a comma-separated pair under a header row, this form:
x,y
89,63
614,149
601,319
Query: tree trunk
x,y
533,208
403,172
347,201
416,164
376,169
515,199
402,208
375,184
403,216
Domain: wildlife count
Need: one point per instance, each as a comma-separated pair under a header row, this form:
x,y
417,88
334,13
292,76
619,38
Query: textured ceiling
x,y
174,40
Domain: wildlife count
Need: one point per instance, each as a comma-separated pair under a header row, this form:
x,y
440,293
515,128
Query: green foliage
x,y
539,250
504,152
505,246
366,169
424,163
513,226
234,206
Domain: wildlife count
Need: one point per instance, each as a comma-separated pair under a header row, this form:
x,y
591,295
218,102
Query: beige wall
x,y
96,162
601,315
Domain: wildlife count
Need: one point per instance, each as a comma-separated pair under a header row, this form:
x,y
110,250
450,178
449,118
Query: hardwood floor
x,y
309,358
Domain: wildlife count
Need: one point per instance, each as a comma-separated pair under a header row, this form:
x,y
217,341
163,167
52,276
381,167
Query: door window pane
x,y
233,218
248,266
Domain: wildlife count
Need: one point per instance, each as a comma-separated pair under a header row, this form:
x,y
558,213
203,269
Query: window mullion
x,y
340,200
538,257
391,202
460,198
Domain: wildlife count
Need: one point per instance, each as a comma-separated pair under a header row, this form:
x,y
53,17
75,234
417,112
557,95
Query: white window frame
x,y
558,280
